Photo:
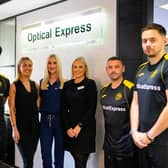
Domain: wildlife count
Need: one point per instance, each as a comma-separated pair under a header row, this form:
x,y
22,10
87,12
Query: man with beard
x,y
119,149
149,109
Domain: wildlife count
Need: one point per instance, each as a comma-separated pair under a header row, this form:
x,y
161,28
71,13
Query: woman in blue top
x,y
50,107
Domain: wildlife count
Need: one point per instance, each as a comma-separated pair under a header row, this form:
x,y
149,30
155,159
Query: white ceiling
x,y
15,7
160,15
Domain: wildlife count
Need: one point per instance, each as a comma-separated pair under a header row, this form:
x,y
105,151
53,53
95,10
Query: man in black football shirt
x,y
4,91
149,109
116,98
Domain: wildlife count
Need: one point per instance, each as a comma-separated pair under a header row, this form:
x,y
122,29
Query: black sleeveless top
x,y
26,108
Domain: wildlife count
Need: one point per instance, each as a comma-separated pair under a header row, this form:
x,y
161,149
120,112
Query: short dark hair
x,y
113,58
155,26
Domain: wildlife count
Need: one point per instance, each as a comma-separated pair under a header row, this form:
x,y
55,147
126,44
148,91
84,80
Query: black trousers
x,y
154,156
80,159
112,161
27,148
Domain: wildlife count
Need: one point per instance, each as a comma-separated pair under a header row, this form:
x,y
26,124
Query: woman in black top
x,y
23,100
79,106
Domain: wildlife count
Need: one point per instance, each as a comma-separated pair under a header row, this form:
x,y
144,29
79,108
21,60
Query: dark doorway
x,y
131,17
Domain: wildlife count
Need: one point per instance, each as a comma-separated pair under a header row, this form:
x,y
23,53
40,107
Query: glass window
x,y
7,54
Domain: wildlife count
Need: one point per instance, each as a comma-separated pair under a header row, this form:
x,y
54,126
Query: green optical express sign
x,y
78,29
59,32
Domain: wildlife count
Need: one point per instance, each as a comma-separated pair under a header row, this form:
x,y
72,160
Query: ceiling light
x,y
165,6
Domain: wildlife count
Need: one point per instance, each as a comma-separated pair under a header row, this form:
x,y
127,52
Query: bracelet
x,y
148,136
80,124
133,130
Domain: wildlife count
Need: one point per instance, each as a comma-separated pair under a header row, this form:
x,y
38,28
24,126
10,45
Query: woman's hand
x,y
15,135
77,130
70,132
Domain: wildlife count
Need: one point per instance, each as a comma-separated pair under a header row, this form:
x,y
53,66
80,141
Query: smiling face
x,y
115,69
52,65
25,68
78,70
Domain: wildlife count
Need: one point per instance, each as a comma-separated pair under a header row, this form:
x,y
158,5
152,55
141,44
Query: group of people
x,y
135,113
67,111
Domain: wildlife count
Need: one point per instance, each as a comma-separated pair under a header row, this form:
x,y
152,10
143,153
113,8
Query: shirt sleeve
x,y
164,75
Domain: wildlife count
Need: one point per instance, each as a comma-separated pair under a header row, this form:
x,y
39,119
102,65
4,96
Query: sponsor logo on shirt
x,y
148,87
114,109
118,96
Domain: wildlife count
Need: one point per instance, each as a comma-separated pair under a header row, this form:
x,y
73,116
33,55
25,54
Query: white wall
x,y
159,14
96,56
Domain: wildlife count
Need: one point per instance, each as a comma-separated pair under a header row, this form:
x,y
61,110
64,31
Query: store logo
x,y
82,28
118,96
59,32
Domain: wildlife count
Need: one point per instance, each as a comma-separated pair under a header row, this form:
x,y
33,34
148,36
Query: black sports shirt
x,y
116,104
151,83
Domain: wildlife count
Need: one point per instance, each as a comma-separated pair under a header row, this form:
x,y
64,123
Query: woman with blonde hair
x,y
50,108
23,105
79,107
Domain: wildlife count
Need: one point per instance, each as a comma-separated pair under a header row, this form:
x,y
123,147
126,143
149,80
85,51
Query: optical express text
x,y
59,32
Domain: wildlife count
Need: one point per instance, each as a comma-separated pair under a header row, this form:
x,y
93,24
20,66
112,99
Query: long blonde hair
x,y
44,83
83,61
22,59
